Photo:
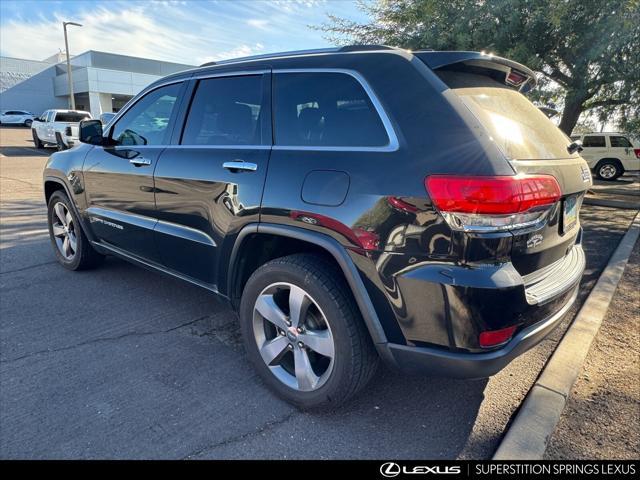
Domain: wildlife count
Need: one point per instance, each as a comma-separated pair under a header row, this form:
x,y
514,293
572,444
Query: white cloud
x,y
254,22
172,30
241,51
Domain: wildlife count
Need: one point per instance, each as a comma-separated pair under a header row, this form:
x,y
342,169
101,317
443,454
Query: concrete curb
x,y
529,434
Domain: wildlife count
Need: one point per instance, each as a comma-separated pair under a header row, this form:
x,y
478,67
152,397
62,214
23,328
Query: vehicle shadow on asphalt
x,y
164,359
16,151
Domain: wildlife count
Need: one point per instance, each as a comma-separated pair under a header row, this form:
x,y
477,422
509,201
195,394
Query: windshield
x,y
71,116
517,126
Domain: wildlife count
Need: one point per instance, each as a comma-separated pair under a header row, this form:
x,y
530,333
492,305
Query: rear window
x,y
71,116
517,126
323,109
594,141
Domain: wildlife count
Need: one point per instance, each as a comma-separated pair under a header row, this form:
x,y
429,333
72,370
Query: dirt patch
x,y
602,417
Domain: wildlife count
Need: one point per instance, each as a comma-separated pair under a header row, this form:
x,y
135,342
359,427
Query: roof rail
x,y
348,48
272,55
365,48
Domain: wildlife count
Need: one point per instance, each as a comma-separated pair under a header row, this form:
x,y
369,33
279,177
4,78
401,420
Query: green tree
x,y
588,50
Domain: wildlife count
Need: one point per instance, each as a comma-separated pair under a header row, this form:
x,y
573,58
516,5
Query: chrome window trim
x,y
393,144
230,73
222,147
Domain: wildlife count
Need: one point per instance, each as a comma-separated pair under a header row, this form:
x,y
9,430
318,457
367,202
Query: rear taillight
x,y
493,203
494,338
637,152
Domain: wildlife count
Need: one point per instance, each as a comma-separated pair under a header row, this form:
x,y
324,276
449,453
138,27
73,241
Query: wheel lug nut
x,y
288,322
301,345
281,332
290,347
300,329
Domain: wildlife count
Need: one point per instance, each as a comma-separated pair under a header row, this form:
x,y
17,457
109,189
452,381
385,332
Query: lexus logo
x,y
392,469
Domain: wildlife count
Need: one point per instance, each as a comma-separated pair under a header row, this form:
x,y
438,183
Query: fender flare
x,y
338,252
65,187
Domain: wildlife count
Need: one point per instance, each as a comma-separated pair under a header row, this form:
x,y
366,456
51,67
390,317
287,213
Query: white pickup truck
x,y
57,127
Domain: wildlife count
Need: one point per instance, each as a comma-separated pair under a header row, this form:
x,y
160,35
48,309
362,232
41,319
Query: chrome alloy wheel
x,y
293,336
64,231
608,171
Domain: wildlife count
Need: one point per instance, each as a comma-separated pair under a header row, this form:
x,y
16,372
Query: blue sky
x,y
189,32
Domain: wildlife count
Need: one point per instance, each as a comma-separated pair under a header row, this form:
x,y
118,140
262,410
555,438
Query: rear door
x,y
622,148
209,182
532,144
119,177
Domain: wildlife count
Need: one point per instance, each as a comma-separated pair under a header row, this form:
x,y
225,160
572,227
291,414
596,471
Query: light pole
x,y
72,100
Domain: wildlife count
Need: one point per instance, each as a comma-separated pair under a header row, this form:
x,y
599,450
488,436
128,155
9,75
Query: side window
x,y
593,141
620,142
49,117
146,122
225,111
325,109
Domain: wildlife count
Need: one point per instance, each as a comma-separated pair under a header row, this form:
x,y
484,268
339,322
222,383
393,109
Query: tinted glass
x,y
593,141
620,142
325,109
146,122
71,116
225,111
517,126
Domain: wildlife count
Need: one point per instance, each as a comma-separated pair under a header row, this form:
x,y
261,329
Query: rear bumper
x,y
439,361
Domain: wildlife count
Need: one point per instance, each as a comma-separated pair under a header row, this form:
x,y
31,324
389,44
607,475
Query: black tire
x,y
84,256
355,359
27,123
60,145
36,140
609,170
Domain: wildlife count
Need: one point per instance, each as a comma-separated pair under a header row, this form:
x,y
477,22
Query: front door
x,y
209,183
119,177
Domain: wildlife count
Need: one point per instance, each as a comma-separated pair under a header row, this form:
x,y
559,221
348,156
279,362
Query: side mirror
x,y
91,132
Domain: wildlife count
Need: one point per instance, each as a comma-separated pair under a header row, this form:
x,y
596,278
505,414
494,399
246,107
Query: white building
x,y
102,82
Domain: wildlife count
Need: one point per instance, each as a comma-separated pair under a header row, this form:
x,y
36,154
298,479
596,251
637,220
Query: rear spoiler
x,y
516,75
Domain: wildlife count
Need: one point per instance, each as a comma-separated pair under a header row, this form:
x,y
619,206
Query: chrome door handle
x,y
240,165
140,161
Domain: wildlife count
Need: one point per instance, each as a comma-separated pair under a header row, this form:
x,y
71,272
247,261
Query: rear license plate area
x,y
569,213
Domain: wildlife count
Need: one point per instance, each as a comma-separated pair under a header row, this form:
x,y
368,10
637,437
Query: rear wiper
x,y
575,147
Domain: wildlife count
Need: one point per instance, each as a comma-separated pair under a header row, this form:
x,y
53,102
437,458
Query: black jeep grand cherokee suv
x,y
352,204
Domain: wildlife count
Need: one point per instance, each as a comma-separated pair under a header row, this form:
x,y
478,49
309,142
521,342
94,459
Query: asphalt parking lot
x,y
120,362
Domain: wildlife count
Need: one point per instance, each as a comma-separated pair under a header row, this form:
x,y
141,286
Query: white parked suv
x,y
609,155
58,127
16,117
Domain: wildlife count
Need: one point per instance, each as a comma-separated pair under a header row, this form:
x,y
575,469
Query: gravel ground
x,y
602,417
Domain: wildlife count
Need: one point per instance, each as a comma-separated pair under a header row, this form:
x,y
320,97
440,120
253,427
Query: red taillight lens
x,y
492,195
496,337
637,152
490,204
